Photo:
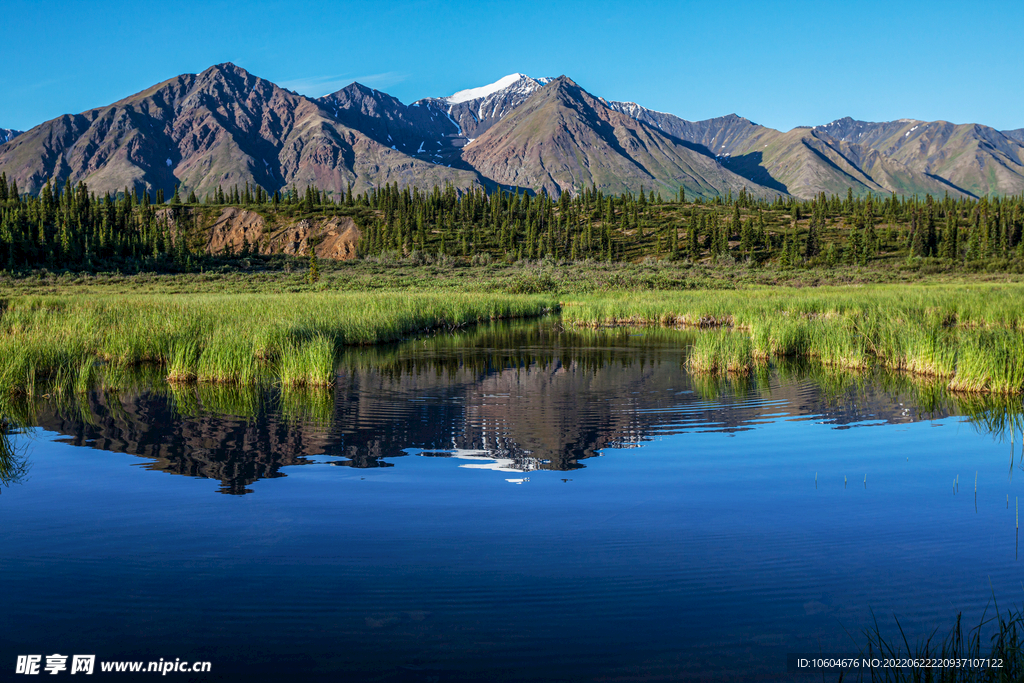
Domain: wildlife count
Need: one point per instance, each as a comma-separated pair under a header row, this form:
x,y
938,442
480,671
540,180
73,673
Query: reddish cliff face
x,y
335,237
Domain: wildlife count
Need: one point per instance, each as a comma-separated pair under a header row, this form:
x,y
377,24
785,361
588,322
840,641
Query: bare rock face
x,y
335,237
235,229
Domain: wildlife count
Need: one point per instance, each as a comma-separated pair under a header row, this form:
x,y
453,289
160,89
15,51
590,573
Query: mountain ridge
x,y
223,126
226,126
563,138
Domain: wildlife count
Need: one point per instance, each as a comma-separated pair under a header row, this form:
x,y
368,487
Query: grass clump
x,y
307,363
716,352
971,336
990,361
225,339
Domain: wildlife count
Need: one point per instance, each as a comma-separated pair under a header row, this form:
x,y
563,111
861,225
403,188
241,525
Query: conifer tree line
x,y
73,228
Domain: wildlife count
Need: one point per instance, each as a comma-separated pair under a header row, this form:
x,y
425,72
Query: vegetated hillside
x,y
808,162
221,128
803,162
71,228
1016,134
974,158
565,139
8,134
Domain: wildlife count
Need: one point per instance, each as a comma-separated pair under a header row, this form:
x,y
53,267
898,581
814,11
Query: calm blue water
x,y
517,504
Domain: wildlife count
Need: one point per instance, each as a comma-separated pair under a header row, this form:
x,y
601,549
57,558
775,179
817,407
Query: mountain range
x,y
226,127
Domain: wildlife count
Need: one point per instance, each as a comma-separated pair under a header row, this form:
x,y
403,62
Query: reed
x,y
990,361
307,363
970,336
1005,638
224,338
715,352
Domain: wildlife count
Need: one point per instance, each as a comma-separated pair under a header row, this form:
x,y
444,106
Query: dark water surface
x,y
516,503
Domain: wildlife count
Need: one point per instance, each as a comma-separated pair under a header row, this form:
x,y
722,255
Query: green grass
x,y
972,336
223,338
968,335
307,364
715,352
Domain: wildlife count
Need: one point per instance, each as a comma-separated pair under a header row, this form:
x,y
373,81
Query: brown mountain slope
x,y
562,138
218,128
807,162
423,130
975,158
802,162
474,112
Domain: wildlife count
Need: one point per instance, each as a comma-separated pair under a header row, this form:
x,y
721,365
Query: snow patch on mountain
x,y
485,90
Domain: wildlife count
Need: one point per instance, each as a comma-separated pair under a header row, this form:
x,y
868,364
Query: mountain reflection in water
x,y
510,397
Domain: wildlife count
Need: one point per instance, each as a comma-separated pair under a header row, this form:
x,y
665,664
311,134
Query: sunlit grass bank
x,y
971,336
236,339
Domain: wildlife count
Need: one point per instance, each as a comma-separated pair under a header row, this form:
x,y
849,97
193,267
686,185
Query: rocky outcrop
x,y
235,229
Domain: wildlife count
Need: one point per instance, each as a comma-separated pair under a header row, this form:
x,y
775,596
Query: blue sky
x,y
781,64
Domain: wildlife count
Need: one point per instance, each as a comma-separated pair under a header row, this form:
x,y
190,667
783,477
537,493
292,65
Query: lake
x,y
517,502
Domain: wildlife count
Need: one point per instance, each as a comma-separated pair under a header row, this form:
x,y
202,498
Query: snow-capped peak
x,y
484,91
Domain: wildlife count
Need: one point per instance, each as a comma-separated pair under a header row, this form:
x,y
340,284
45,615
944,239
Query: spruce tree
x,y
812,246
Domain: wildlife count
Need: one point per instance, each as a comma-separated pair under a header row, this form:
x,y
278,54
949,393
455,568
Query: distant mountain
x,y
218,128
423,130
972,157
562,138
225,127
802,162
435,128
477,109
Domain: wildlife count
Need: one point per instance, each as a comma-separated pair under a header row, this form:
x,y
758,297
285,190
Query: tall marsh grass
x,y
970,336
234,339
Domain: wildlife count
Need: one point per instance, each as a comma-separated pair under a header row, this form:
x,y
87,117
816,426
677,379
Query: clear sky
x,y
781,64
